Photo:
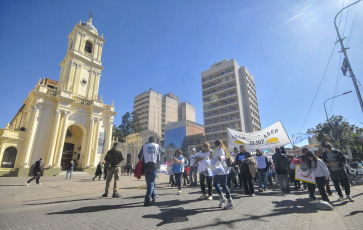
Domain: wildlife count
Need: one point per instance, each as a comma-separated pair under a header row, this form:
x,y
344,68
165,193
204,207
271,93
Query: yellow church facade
x,y
62,120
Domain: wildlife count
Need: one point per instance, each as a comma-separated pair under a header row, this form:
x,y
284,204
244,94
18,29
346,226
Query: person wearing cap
x,y
193,168
37,170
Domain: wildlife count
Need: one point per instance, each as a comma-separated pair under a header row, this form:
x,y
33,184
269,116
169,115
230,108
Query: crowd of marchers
x,y
225,171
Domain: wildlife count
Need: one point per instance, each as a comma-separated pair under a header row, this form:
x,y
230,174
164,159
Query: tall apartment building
x,y
155,110
148,107
186,111
169,111
229,100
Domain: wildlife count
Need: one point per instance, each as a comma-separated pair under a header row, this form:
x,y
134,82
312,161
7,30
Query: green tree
x,y
117,133
126,126
341,134
135,123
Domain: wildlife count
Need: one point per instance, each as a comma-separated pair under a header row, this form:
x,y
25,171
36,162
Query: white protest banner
x,y
271,137
301,175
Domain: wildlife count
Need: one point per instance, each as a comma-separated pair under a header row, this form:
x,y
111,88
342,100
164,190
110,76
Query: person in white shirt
x,y
193,169
201,157
150,155
221,156
262,165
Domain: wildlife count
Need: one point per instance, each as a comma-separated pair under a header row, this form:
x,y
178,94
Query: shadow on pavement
x,y
11,185
65,201
281,208
175,215
354,213
97,208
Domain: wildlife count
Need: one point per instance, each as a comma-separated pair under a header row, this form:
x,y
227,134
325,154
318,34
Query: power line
x,y
322,78
317,91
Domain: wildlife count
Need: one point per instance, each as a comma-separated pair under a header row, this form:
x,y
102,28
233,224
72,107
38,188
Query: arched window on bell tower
x,y
88,47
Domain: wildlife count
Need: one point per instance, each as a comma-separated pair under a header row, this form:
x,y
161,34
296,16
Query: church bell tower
x,y
81,68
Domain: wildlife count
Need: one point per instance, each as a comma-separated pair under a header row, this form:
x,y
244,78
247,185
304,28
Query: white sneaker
x,y
26,183
210,198
203,196
229,205
341,198
349,197
179,192
222,201
39,184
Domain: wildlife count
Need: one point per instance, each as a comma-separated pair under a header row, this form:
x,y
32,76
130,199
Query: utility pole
x,y
346,64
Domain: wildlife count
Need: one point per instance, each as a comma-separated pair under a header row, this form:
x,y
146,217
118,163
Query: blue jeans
x,y
193,175
262,178
150,176
222,180
69,171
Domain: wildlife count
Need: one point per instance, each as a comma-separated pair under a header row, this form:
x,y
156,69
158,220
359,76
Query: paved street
x,y
77,204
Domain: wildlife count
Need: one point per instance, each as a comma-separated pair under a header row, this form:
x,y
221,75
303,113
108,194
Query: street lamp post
x,y
332,98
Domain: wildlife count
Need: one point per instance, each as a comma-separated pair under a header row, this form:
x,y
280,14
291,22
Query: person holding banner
x,y
304,167
222,157
335,161
201,158
327,185
321,173
247,167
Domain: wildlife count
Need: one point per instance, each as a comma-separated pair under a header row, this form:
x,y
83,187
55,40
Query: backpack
x,y
32,168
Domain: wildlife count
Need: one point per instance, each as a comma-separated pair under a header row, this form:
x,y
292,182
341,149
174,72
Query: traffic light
x,y
345,67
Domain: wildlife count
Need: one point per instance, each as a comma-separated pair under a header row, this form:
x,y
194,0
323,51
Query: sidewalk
x,y
77,204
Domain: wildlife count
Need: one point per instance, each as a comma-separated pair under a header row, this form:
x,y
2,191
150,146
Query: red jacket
x,y
138,170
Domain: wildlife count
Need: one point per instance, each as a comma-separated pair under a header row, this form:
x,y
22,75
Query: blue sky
x,y
165,45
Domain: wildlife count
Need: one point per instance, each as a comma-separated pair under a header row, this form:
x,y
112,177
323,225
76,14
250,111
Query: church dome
x,y
88,25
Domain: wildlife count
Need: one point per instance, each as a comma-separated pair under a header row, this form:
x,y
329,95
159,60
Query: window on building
x,y
89,46
9,158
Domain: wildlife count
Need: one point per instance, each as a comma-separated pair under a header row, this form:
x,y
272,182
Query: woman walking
x,y
201,158
178,168
320,171
221,156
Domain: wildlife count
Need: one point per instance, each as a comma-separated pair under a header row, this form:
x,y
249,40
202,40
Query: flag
x,y
299,137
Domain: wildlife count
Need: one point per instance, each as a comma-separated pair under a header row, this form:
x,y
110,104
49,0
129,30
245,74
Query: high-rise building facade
x,y
186,112
148,107
169,111
155,110
229,100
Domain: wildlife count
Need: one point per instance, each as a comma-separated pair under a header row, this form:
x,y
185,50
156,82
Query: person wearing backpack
x,y
335,161
37,171
247,166
282,169
113,160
